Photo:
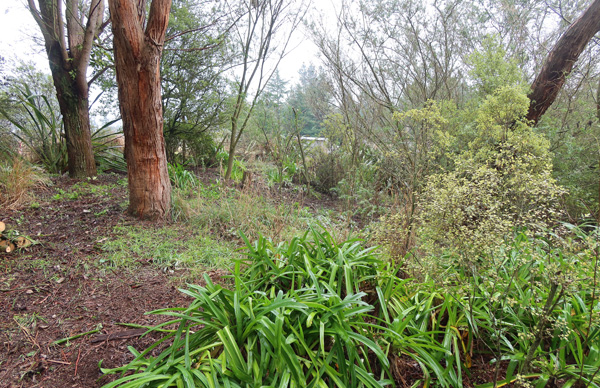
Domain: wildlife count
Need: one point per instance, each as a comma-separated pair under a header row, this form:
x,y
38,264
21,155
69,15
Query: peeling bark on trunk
x,y
137,62
561,59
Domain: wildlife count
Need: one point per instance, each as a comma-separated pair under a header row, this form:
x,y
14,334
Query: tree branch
x,y
49,19
158,20
75,31
93,23
36,15
189,31
191,49
98,75
560,61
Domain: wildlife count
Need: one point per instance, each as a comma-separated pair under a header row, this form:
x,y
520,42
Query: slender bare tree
x,y
262,36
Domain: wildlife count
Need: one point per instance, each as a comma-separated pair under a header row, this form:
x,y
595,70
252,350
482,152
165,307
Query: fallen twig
x,y
59,362
77,362
120,335
61,341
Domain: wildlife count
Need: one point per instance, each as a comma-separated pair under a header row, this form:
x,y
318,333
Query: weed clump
x,y
17,178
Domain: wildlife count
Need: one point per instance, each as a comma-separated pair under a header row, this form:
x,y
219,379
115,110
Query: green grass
x,y
27,263
82,189
170,248
226,212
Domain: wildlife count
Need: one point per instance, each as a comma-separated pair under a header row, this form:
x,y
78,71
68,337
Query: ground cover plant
x,y
96,271
278,327
315,312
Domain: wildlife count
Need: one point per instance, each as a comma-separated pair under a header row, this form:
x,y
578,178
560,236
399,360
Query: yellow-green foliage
x,y
412,147
491,69
420,141
504,180
502,113
338,132
430,116
393,232
423,129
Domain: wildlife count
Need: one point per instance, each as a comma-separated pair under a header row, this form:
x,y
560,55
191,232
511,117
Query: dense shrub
x,y
329,170
504,180
190,147
395,231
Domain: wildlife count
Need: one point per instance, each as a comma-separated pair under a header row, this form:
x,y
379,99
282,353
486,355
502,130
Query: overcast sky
x,y
18,29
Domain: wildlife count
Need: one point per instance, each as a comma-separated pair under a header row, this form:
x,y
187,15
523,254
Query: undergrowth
x,y
17,178
314,312
181,178
170,248
226,211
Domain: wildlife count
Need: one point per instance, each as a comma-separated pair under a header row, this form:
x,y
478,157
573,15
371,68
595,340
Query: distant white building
x,y
314,142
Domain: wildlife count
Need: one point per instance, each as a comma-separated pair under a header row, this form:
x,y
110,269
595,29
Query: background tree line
x,y
384,64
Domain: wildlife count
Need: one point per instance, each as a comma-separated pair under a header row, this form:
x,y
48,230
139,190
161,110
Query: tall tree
x,y
68,36
262,34
561,59
193,85
138,47
311,97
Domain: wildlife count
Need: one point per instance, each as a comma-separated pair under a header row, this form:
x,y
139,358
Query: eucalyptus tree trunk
x,y
137,61
74,107
68,46
561,59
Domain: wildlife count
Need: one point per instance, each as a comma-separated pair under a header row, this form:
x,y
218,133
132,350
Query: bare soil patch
x,y
56,289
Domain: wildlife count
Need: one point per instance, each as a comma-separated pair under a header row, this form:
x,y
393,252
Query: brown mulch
x,y
57,289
